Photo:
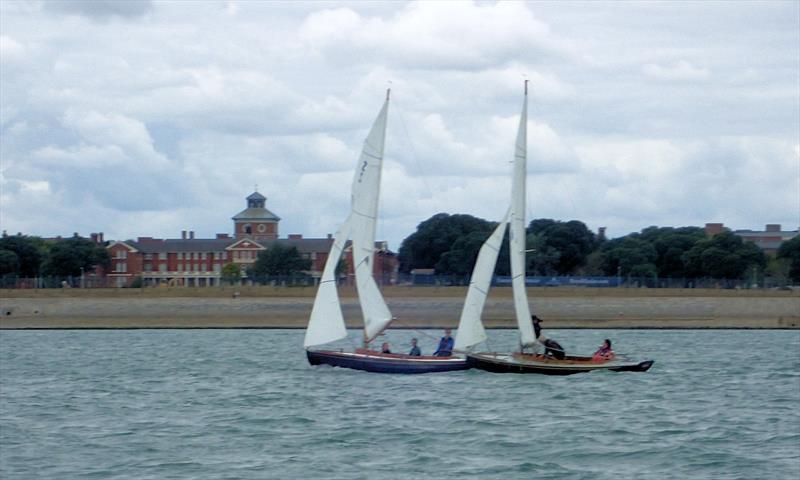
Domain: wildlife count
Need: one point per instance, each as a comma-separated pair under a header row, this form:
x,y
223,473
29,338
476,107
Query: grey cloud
x,y
100,10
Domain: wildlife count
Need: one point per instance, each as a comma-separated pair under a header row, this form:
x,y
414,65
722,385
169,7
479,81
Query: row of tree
x,y
449,244
28,256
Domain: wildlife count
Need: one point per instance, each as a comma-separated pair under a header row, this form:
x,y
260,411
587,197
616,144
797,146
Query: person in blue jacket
x,y
415,351
445,348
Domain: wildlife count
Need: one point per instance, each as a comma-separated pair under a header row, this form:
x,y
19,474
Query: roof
x,y
180,245
256,196
256,214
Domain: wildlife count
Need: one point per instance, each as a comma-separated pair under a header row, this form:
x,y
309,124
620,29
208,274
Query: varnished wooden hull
x,y
517,363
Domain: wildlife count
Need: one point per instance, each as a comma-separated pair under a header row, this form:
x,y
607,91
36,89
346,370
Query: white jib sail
x,y
366,192
470,327
517,231
327,323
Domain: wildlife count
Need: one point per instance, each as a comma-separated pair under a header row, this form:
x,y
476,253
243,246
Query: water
x,y
244,404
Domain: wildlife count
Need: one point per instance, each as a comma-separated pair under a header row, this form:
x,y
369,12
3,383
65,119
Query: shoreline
x,y
414,307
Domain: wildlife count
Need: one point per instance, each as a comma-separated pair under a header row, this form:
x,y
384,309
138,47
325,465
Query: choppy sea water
x,y
244,404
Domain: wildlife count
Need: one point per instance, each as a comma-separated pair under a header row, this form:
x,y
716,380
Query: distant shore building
x,y
769,239
190,261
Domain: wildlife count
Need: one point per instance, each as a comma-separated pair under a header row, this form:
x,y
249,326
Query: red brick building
x,y
188,261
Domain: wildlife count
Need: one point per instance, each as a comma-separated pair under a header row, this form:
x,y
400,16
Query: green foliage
x,y
9,262
628,255
137,283
724,255
73,256
790,252
231,273
438,235
559,247
29,252
460,259
280,260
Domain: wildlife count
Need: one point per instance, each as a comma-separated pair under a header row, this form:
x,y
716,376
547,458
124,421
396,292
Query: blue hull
x,y
380,363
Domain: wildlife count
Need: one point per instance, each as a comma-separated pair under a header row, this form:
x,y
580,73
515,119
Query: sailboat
x,y
326,323
470,329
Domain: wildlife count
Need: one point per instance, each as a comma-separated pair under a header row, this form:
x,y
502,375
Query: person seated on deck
x,y
385,348
415,351
604,352
445,348
551,347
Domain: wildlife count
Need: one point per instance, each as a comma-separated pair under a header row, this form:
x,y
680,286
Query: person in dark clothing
x,y
554,349
385,348
551,347
537,329
415,351
445,348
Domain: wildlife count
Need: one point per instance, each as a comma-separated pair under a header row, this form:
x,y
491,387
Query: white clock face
x,y
262,228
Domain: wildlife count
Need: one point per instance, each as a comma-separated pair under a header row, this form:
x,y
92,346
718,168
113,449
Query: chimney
x,y
295,236
93,236
183,234
330,236
773,227
601,233
100,236
191,235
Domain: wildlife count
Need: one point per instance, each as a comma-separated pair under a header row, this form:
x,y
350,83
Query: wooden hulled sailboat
x,y
470,328
326,324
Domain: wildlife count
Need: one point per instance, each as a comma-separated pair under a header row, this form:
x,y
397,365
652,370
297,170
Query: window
x,y
162,256
162,268
224,255
148,267
122,254
148,256
203,256
180,255
217,267
180,267
122,267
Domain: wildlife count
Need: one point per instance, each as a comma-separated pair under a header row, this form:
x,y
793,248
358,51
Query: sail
x,y
517,230
470,327
366,191
327,323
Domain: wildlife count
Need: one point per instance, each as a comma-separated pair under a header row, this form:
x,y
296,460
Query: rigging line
x,y
415,156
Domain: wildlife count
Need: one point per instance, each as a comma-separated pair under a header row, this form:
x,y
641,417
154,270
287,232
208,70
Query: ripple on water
x,y
245,404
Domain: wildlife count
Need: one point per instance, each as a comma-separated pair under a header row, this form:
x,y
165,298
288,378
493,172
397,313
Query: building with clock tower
x,y
255,221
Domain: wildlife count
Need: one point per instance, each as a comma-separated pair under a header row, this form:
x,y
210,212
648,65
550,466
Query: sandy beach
x,y
417,307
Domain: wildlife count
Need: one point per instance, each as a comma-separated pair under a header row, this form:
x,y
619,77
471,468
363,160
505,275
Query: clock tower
x,y
256,221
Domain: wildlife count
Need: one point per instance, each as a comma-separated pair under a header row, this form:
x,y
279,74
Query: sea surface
x,y
245,404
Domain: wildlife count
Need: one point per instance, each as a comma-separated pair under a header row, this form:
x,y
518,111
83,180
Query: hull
x,y
373,361
523,363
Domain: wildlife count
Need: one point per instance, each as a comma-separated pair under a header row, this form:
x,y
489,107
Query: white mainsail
x,y
470,327
517,235
327,323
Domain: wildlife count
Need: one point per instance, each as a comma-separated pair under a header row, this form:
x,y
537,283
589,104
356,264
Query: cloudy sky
x,y
140,118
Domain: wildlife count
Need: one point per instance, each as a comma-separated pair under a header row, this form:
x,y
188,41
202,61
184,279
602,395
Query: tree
x,y
280,260
724,255
628,256
231,273
9,262
561,246
460,259
790,252
29,252
671,244
73,256
438,235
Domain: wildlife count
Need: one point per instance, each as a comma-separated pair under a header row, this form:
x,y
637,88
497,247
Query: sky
x,y
140,118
